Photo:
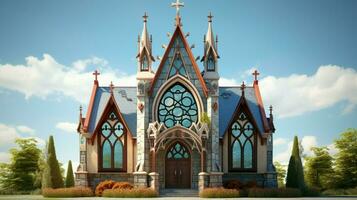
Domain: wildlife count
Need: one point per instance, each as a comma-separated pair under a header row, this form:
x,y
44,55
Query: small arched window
x,y
242,140
211,63
112,144
145,63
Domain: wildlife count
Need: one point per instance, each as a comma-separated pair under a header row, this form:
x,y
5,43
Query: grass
x,y
131,193
219,193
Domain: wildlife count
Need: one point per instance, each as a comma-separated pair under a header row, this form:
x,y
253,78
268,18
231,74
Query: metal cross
x,y
96,73
111,86
210,16
243,86
145,17
177,5
256,74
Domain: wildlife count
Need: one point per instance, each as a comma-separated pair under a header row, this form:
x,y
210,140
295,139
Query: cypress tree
x,y
52,174
295,175
69,178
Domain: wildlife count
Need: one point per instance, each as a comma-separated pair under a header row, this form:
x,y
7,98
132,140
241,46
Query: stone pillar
x,y
140,179
81,179
215,179
154,181
271,180
203,180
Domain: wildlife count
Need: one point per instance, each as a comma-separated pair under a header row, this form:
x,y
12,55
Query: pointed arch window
x,y
112,144
177,105
211,65
145,63
177,66
242,148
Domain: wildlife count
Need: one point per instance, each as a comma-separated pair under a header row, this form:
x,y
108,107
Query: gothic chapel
x,y
177,128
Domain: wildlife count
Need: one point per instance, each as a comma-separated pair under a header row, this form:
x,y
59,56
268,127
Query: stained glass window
x,y
177,105
178,151
210,63
112,143
242,143
177,66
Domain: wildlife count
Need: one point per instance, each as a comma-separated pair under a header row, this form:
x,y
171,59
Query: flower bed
x,y
219,193
67,192
130,193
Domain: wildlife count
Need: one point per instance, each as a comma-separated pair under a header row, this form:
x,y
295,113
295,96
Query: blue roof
x,y
228,100
125,98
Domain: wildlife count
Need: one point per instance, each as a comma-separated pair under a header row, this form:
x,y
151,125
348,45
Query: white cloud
x,y
299,93
332,149
25,129
67,127
4,157
228,82
280,141
44,77
307,142
8,135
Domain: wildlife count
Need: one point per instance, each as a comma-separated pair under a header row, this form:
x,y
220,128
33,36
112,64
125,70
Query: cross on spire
x,y
242,87
255,74
177,5
96,73
210,16
145,17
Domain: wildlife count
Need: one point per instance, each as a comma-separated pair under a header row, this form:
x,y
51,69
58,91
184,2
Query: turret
x,y
210,55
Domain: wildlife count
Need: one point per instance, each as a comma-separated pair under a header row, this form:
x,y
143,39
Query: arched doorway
x,y
177,166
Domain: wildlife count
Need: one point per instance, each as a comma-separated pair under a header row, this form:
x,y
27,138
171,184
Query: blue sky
x,y
305,50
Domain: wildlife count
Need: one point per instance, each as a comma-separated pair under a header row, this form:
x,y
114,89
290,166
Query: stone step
x,y
179,193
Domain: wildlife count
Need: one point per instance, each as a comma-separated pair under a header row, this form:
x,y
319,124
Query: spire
x,y
209,38
145,39
144,56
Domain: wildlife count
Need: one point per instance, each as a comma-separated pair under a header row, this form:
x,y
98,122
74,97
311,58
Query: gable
x,y
178,59
125,99
229,98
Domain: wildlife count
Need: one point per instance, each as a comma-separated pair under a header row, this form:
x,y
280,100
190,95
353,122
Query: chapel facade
x,y
177,128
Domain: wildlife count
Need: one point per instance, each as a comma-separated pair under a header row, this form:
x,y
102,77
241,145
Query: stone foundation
x,y
81,179
215,179
95,178
140,179
262,180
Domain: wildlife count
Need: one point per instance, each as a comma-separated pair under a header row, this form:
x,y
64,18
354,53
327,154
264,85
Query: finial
x,y
111,86
177,5
145,17
80,112
255,74
96,73
242,88
271,112
210,16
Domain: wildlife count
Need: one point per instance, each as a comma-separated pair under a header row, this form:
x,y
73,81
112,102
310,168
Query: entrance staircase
x,y
179,193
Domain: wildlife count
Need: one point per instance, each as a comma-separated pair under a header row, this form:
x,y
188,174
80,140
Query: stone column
x,y
154,181
203,180
81,178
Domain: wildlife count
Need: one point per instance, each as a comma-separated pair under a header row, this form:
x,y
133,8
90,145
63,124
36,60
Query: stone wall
x,y
95,178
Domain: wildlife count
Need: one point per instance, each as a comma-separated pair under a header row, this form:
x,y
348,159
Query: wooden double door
x,y
178,167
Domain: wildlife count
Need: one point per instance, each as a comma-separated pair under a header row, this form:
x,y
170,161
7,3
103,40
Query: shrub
x,y
311,192
107,184
274,192
122,185
233,184
131,193
340,192
250,184
219,193
67,192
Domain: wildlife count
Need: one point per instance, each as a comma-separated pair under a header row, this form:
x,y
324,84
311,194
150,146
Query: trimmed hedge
x,y
340,192
131,193
219,193
104,185
274,192
68,192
